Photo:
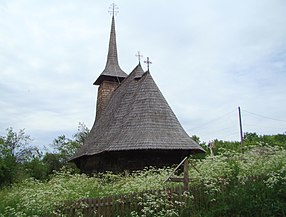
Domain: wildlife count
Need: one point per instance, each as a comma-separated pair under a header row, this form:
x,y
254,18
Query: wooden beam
x,y
178,179
186,175
185,179
176,169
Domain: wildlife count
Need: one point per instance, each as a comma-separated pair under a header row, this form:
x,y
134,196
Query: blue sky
x,y
208,58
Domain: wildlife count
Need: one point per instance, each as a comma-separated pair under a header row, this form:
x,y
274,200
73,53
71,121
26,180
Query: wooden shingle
x,y
137,118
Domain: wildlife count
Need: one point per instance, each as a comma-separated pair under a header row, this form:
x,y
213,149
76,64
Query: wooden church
x,y
134,125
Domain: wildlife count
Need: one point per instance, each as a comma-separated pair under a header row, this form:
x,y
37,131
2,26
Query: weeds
x,y
247,183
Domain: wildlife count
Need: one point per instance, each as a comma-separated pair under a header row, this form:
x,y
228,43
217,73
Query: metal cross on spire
x,y
138,55
113,9
148,62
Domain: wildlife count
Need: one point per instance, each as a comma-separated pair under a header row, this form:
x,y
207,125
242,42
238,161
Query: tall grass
x,y
247,183
35,198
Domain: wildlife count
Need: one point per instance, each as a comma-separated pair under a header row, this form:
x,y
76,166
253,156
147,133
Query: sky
x,y
208,57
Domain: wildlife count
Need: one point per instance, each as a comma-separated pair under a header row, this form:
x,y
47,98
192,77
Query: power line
x,y
217,129
229,131
213,120
231,134
262,116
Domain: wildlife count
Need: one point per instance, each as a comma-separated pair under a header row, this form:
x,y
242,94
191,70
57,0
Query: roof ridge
x,y
131,74
137,91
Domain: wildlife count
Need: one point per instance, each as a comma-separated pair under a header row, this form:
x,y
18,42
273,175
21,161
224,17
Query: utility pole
x,y
240,125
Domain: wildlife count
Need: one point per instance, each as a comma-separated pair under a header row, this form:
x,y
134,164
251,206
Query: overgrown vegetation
x,y
19,160
248,180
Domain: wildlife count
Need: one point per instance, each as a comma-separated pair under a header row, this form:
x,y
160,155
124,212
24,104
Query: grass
x,y
251,182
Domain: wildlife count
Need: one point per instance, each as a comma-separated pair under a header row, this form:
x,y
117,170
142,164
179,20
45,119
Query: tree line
x,y
20,160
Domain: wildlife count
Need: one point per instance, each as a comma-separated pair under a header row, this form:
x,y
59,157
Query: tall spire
x,y
112,69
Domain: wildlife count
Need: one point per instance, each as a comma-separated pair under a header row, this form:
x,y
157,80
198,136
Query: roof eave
x,y
102,78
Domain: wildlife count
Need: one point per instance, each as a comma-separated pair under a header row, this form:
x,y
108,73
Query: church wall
x,y
131,160
105,91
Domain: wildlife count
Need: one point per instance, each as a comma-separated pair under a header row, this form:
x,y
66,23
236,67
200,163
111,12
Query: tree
x,y
18,159
196,139
52,162
36,168
14,152
65,147
82,133
251,137
17,146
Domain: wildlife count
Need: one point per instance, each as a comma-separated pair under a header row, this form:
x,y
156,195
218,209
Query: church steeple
x,y
112,75
112,69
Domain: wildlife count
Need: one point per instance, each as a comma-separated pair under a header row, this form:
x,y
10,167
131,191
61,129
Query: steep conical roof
x,y
137,118
112,68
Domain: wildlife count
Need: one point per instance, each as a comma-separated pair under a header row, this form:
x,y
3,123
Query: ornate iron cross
x,y
113,9
148,62
138,55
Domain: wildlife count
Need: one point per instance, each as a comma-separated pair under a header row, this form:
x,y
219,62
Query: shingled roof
x,y
112,68
137,117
